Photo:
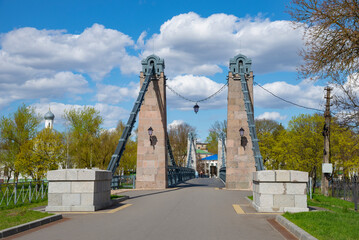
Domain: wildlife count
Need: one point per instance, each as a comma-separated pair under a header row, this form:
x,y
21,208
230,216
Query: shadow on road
x,y
199,182
202,182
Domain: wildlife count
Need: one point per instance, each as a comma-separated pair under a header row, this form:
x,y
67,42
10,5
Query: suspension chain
x,y
200,100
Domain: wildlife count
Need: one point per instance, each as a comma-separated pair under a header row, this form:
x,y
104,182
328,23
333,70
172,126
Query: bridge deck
x,y
196,209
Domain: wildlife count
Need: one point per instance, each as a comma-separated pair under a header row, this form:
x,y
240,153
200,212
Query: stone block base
x,y
84,190
280,191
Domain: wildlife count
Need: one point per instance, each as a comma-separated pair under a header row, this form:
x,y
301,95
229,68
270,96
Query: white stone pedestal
x,y
280,191
79,190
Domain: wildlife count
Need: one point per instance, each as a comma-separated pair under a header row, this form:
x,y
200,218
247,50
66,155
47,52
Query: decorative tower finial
x,y
49,119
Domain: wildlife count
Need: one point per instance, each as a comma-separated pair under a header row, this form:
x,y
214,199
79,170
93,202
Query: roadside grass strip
x,y
11,217
341,221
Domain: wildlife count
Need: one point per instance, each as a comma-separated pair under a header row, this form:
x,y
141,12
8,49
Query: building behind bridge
x,y
208,162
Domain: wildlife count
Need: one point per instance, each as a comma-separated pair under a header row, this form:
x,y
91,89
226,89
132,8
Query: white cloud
x,y
96,51
195,88
114,94
305,93
191,44
57,86
272,116
111,114
36,64
174,124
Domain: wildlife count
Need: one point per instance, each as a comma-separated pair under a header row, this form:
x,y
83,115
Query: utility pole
x,y
326,135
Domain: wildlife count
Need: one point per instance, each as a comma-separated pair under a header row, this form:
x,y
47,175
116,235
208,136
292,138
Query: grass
x,y
34,203
340,222
116,196
12,216
250,197
22,193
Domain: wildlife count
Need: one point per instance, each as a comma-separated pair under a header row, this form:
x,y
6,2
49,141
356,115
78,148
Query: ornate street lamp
x,y
196,108
241,132
150,131
244,140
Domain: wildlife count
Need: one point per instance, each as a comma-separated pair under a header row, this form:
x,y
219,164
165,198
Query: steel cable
x,y
201,100
287,101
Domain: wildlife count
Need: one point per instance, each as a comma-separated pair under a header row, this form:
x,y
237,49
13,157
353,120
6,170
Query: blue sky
x,y
75,53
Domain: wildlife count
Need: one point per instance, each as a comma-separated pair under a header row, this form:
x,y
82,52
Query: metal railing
x,y
125,181
22,192
222,174
177,175
347,189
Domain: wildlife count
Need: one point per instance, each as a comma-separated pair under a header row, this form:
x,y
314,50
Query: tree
x,y
332,47
270,134
215,130
15,131
39,155
344,152
84,132
331,34
106,145
306,144
178,139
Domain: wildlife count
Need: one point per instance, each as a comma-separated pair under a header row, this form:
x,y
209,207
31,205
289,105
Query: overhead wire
x,y
226,84
200,100
287,101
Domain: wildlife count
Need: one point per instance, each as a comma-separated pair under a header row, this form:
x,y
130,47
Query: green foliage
x,y
306,144
300,146
270,134
15,131
84,132
105,145
212,141
216,129
39,155
344,150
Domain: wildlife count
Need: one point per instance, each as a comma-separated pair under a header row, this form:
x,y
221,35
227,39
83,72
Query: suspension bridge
x,y
156,167
171,204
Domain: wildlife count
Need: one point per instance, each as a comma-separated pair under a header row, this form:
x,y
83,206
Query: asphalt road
x,y
194,210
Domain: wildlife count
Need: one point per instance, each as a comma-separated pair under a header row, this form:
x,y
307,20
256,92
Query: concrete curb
x,y
26,226
294,229
222,182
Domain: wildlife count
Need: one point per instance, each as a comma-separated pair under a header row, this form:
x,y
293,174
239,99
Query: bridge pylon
x,y
152,156
242,156
191,160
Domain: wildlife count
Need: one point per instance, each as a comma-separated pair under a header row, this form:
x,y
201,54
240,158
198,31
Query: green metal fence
x,y
22,192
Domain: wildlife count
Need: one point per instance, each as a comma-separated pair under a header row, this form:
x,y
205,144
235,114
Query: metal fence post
x,y
310,188
355,195
15,194
133,181
30,196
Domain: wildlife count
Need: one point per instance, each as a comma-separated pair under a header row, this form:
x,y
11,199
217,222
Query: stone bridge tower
x,y
151,151
240,155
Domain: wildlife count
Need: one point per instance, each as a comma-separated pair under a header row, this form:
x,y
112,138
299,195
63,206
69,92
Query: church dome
x,y
49,116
